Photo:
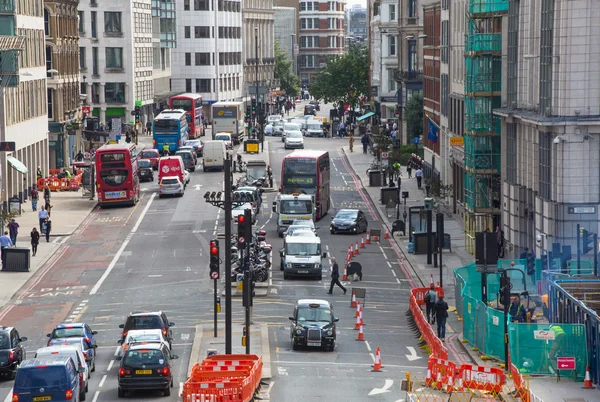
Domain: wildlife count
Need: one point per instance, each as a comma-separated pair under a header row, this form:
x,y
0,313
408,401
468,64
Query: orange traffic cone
x,y
376,238
430,279
361,334
345,277
353,302
357,325
356,252
362,242
368,238
387,234
377,366
361,317
358,308
350,252
587,383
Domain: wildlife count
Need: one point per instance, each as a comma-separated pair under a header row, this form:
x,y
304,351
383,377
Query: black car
x,y
197,145
310,110
349,221
146,367
188,159
316,105
153,320
145,171
12,352
313,325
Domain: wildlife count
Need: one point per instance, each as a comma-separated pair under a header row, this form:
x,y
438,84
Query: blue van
x,y
51,378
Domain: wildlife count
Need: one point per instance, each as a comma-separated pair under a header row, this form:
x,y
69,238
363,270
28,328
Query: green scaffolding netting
x,y
488,6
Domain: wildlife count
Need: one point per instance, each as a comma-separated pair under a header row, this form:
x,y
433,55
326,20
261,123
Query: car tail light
x,y
123,372
163,371
68,395
124,334
88,340
11,356
164,331
15,398
81,379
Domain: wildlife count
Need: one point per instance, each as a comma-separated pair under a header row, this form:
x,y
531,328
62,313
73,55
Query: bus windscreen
x,y
162,124
185,104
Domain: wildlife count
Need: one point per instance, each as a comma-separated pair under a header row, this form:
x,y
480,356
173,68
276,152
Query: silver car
x,y
171,185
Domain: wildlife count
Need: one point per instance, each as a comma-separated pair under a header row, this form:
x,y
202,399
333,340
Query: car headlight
x,y
298,331
330,227
329,332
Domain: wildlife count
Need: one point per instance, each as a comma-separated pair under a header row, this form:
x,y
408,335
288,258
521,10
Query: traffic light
x,y
242,224
137,114
248,226
587,241
247,112
215,261
253,106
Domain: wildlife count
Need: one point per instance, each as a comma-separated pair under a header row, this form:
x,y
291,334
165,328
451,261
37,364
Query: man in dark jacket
x,y
365,143
441,314
335,276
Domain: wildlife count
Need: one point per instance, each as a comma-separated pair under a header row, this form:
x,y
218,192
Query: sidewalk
x,y
546,389
69,210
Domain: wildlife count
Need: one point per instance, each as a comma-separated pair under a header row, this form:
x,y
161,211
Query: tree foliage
x,y
288,81
345,79
414,116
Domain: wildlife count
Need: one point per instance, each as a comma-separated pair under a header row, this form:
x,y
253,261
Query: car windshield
x,y
346,215
41,376
314,126
142,338
148,154
145,321
4,343
144,358
68,332
292,127
222,138
184,155
144,163
294,134
279,123
70,341
316,314
186,148
303,249
303,223
169,181
303,232
296,207
194,143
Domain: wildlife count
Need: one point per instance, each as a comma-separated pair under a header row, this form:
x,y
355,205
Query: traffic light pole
x,y
216,310
256,89
227,208
578,249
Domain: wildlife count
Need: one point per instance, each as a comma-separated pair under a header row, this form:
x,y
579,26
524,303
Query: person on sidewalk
x,y
4,243
419,176
47,228
396,166
13,229
430,299
441,314
35,196
42,215
365,143
35,240
500,242
335,276
409,169
351,143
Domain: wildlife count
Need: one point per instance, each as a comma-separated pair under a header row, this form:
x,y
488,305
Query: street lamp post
x,y
294,61
258,110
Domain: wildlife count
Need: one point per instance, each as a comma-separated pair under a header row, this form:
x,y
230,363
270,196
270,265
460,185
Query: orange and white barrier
x,y
356,252
357,325
361,334
345,277
587,382
439,372
484,378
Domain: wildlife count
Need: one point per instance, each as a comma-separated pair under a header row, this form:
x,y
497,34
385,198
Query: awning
x,y
17,164
365,116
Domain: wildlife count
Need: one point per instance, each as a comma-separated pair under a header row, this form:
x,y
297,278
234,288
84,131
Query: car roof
x,y
134,332
246,188
58,348
2,329
303,222
145,346
306,302
70,325
304,239
348,210
183,151
229,134
52,360
149,312
150,150
163,178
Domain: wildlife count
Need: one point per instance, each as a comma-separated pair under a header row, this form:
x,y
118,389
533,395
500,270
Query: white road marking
x,y
102,381
372,357
9,396
154,276
96,395
382,252
180,389
282,371
368,345
116,351
110,364
123,246
327,247
397,280
389,265
394,273
385,256
185,337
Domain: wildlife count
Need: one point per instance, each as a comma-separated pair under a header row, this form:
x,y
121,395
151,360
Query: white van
x,y
301,256
76,354
215,153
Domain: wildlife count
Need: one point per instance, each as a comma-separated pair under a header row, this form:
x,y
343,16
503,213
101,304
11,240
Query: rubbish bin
x,y
14,205
376,178
387,194
16,259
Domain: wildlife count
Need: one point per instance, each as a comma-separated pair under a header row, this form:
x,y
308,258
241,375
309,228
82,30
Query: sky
x,y
363,3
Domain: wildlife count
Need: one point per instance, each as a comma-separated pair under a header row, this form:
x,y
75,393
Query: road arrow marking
x,y
197,186
386,388
413,354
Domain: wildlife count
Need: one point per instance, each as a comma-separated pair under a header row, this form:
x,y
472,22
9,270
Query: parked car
x,y
152,155
197,145
171,185
12,352
145,172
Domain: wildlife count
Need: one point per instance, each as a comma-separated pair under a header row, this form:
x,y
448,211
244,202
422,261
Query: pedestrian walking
x,y
351,143
47,228
409,169
500,241
34,198
5,242
419,176
35,240
365,143
335,276
13,230
430,299
396,166
42,215
441,314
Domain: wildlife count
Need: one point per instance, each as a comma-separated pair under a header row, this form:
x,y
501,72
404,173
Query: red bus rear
x,y
307,172
117,178
192,104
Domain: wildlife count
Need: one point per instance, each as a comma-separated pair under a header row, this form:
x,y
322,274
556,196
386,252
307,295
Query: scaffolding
x,y
483,85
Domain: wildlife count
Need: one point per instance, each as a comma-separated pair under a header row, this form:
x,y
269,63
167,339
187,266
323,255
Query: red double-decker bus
x,y
117,178
192,104
307,172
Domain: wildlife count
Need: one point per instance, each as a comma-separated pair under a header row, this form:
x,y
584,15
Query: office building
x,y
286,32
356,26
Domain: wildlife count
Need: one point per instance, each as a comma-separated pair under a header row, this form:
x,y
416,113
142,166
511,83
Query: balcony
x,y
484,43
488,6
408,76
8,6
251,62
268,60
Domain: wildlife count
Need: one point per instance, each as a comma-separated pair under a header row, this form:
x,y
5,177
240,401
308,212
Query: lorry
x,y
302,256
228,117
289,207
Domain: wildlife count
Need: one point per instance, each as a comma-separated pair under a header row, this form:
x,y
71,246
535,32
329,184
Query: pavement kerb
x,y
195,354
266,351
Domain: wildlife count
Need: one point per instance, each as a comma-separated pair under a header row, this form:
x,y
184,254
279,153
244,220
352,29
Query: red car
x,y
152,155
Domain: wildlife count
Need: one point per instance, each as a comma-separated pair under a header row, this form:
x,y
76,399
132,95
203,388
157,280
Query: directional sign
x,y
416,140
214,275
565,363
386,388
413,354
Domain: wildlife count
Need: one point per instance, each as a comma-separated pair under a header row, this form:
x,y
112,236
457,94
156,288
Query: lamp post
x,y
256,119
294,61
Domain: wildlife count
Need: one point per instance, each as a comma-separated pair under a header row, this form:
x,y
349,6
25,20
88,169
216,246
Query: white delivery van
x,y
301,256
215,153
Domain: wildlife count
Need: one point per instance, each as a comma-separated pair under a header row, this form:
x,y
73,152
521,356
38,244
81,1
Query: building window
x,y
188,59
201,5
445,51
412,9
82,63
412,55
114,92
46,22
95,61
50,98
202,59
545,157
48,61
444,84
392,45
112,22
95,92
302,6
81,14
186,5
203,85
187,32
188,85
114,57
392,12
201,32
391,81
94,22
511,153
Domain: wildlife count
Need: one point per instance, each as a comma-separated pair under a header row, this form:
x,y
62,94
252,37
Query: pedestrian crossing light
x,y
587,241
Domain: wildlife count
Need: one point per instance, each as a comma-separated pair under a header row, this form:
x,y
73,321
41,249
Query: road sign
x,y
214,275
565,363
8,146
296,49
241,240
86,109
416,140
384,155
457,142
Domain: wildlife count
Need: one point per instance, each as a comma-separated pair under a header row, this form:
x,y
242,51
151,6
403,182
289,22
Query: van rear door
x,y
43,383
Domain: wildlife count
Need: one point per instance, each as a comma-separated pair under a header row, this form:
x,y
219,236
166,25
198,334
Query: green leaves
x,y
414,116
345,79
283,71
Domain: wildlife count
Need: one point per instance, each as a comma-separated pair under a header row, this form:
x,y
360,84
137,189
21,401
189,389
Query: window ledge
x,y
113,34
114,70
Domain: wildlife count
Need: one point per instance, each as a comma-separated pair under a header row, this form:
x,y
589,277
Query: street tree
x,y
344,79
288,81
414,116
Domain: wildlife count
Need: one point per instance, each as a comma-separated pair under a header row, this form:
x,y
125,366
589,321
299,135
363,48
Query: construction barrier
x,y
520,386
489,379
440,374
220,378
417,299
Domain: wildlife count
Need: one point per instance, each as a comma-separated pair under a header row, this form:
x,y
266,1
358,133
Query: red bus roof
x,y
115,147
187,95
306,154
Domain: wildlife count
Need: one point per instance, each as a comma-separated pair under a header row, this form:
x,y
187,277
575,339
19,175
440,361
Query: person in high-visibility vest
x,y
166,149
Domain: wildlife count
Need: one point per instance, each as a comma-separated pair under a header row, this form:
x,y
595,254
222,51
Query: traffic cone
x,y
357,325
387,234
345,277
587,383
350,253
362,242
361,317
368,238
356,252
353,302
377,366
358,308
430,279
361,334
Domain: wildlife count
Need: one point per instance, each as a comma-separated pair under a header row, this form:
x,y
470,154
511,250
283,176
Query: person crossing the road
x,y
335,276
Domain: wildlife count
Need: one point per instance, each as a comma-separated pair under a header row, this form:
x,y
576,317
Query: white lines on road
x,y
9,396
110,365
263,226
122,248
382,252
372,357
394,273
397,280
368,345
180,389
389,265
102,381
96,395
116,350
154,276
78,310
385,256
